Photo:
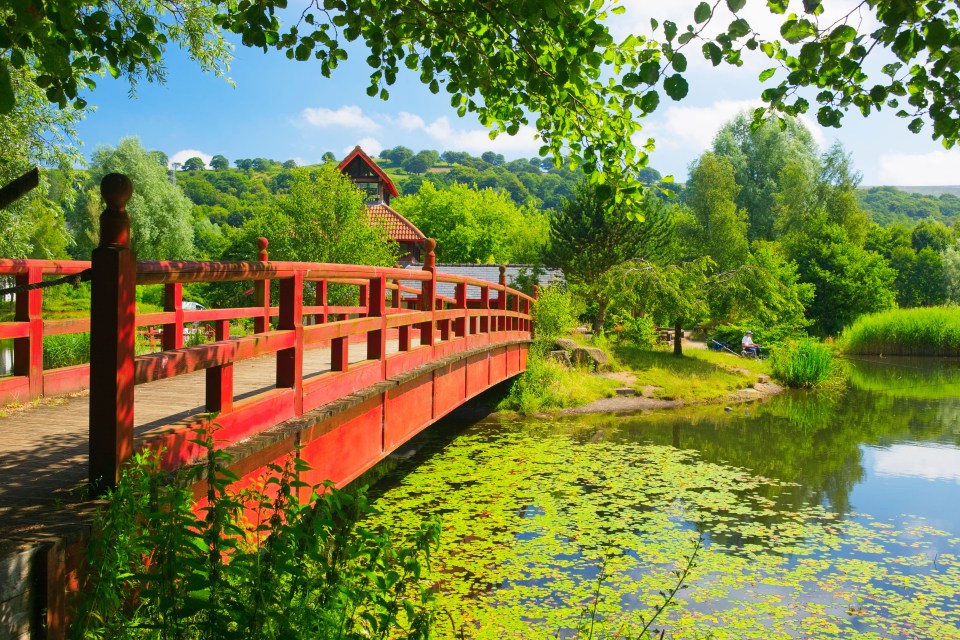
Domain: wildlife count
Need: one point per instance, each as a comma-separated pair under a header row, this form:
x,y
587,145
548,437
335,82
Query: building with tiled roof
x,y
379,188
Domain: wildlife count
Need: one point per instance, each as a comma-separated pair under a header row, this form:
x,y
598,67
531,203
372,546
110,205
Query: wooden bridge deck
x,y
43,448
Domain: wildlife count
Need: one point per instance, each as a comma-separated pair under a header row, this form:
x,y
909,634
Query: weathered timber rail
x,y
340,385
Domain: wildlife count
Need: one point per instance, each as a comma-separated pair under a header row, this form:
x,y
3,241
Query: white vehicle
x,y
186,305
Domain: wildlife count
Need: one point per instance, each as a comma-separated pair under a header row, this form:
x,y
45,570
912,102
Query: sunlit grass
x,y
697,376
547,385
804,363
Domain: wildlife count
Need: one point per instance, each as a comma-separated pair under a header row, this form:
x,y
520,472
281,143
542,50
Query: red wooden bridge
x,y
339,385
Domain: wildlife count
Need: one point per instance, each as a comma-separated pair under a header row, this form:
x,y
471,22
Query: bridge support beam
x,y
112,338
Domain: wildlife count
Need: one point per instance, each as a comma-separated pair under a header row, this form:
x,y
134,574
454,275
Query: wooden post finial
x,y
262,244
536,292
431,260
503,274
116,190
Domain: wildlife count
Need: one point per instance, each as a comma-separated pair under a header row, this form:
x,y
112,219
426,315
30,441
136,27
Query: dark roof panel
x,y
358,152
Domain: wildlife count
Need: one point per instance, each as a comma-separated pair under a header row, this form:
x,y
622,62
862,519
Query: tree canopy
x,y
558,66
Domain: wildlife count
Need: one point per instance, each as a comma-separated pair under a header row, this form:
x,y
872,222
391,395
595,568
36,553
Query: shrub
x,y
641,332
249,563
928,331
803,363
550,385
552,315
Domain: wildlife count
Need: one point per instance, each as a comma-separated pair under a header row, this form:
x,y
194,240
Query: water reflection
x,y
6,357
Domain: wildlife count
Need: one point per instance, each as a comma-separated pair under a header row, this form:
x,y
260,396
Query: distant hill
x,y
933,191
909,205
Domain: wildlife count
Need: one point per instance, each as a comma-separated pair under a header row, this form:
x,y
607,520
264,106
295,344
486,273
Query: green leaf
x,y
702,13
766,74
679,62
650,101
676,87
712,53
669,30
736,5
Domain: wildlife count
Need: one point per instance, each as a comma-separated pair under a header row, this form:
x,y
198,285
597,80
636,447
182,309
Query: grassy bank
x,y
931,331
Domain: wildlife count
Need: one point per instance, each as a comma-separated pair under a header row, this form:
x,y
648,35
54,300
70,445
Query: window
x,y
372,189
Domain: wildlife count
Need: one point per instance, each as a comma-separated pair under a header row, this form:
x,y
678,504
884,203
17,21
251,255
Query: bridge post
x,y
173,301
428,295
219,384
321,301
460,324
502,300
290,361
28,352
112,337
261,291
529,309
485,305
377,339
403,331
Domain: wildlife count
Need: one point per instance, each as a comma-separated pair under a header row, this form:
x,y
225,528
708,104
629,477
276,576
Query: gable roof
x,y
398,227
357,151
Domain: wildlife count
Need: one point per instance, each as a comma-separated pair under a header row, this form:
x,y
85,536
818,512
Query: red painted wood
x,y
339,354
14,389
290,361
319,333
377,339
28,351
403,338
328,387
60,327
173,303
449,387
166,364
11,267
498,365
349,449
66,380
513,360
485,306
14,330
112,336
320,293
219,383
402,362
478,374
409,409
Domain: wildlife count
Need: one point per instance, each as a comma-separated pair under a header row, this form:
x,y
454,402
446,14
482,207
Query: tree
x,y
219,163
588,239
759,157
721,232
418,164
244,163
161,158
290,164
159,212
398,155
476,226
490,157
194,164
329,157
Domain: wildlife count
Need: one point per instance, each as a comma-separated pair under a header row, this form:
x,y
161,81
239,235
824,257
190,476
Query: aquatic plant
x,y
927,331
804,363
534,512
248,563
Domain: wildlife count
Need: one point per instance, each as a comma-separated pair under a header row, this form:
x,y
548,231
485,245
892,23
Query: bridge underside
x,y
344,438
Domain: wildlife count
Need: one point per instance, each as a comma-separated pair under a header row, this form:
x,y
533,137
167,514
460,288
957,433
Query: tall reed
x,y
927,331
805,363
66,350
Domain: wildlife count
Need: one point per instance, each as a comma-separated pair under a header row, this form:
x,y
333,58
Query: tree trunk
x,y
677,333
600,317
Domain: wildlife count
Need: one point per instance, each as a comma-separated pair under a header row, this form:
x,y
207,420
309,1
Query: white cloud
x,y
920,169
474,141
370,146
182,156
347,117
693,128
915,461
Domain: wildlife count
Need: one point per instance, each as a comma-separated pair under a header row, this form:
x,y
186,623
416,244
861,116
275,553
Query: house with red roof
x,y
379,188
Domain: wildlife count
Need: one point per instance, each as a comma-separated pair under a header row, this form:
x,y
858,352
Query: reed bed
x,y
927,331
805,363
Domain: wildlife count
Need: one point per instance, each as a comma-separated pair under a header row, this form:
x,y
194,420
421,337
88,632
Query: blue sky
x,y
282,109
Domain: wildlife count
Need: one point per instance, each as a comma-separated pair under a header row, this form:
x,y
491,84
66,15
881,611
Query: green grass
x,y
549,385
66,350
699,375
929,331
805,363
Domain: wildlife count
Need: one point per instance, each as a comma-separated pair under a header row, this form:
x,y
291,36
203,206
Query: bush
x,y
550,385
803,363
249,563
928,331
552,316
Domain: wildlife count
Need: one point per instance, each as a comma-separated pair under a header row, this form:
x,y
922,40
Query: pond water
x,y
820,515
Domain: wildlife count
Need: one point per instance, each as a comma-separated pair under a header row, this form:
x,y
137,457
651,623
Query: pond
x,y
820,515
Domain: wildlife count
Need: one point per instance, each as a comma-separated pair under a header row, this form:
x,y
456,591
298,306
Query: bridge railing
x,y
425,326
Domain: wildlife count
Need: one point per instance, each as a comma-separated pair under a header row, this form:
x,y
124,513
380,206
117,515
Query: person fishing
x,y
750,347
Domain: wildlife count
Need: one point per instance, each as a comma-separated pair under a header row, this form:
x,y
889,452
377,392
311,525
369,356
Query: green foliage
x,y
804,363
66,350
159,212
476,226
552,316
889,205
195,163
254,562
549,385
721,229
640,331
933,331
